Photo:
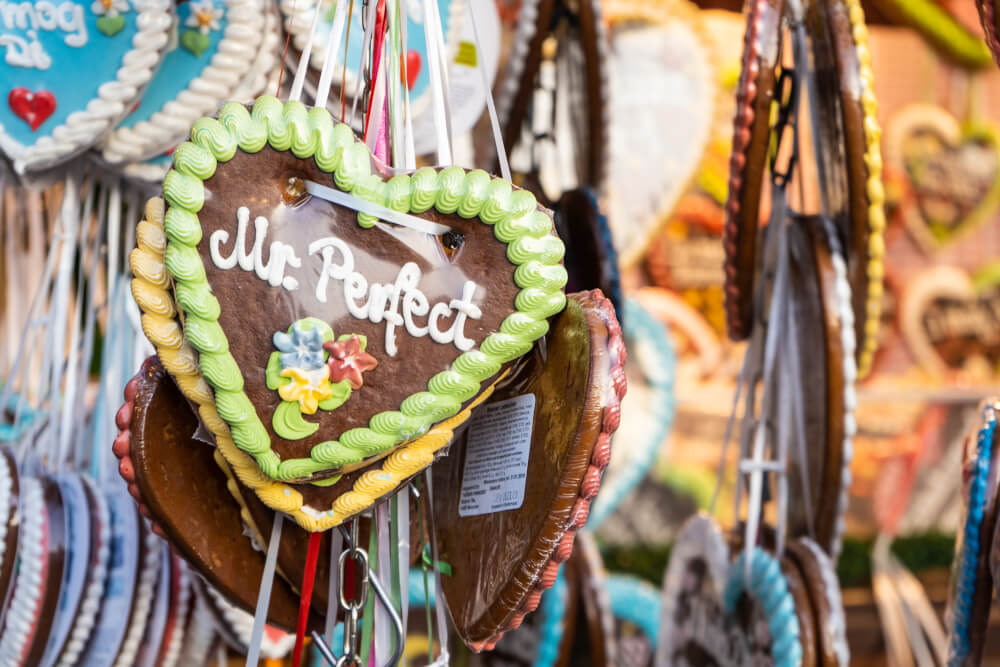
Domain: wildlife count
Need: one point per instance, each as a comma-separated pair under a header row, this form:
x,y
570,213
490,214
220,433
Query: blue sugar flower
x,y
300,349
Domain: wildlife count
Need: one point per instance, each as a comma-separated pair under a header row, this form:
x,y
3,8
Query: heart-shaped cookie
x,y
591,258
952,171
277,344
197,513
949,322
217,47
714,615
657,139
849,136
69,76
748,160
10,523
635,606
505,542
819,578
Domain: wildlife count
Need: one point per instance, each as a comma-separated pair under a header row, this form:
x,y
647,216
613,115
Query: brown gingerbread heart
x,y
505,547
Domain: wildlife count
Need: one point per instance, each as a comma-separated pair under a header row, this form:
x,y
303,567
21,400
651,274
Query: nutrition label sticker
x,y
496,458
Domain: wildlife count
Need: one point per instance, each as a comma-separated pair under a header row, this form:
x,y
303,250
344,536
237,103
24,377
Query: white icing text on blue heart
x,y
30,18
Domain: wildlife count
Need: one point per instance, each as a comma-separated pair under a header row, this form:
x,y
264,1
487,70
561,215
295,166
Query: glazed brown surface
x,y
853,218
812,336
805,614
831,482
815,584
497,558
54,572
252,310
186,494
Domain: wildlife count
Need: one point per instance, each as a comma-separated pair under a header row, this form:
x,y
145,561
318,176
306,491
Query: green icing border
x,y
311,133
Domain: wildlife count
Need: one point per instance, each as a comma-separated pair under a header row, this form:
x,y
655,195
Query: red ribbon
x,y
308,579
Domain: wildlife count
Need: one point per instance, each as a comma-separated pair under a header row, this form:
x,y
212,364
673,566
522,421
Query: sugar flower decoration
x,y
348,361
306,387
109,8
300,349
204,16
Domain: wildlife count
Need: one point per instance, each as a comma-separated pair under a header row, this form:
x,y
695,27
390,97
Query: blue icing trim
x,y
647,337
414,40
75,73
553,611
968,556
178,69
26,417
769,587
637,602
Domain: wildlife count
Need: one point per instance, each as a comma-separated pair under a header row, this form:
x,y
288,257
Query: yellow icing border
x,y
150,287
874,188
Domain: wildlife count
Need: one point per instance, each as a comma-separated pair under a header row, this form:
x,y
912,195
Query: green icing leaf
x,y
110,26
273,372
341,392
195,42
289,424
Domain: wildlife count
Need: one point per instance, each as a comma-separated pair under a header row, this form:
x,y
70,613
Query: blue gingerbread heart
x,y
57,62
214,48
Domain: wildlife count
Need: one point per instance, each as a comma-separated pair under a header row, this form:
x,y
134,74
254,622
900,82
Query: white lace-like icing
x,y
144,591
167,127
848,343
83,128
241,624
200,634
173,651
91,603
831,587
26,603
6,488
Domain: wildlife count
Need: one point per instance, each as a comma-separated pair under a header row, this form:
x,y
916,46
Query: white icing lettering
x,y
397,304
27,51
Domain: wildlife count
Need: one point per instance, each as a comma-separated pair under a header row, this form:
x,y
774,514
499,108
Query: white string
x,y
490,104
332,48
442,123
264,595
387,214
366,49
442,628
295,93
402,520
382,622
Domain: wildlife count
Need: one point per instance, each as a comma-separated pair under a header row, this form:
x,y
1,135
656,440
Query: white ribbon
x,y
356,203
264,595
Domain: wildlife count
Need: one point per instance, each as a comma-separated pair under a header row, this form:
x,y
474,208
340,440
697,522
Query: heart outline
x,y
25,105
527,232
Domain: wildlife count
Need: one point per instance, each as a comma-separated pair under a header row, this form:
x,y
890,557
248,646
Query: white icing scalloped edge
x,y
169,125
173,652
200,635
264,71
831,587
241,623
33,560
144,591
6,488
83,128
90,606
848,343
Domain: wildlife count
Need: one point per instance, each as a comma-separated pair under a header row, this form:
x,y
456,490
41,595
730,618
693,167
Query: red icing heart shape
x,y
33,108
413,63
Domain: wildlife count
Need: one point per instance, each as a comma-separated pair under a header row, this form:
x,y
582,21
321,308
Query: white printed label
x,y
496,458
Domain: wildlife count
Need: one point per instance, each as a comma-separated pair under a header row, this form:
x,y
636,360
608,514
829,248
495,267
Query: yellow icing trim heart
x,y
149,286
875,189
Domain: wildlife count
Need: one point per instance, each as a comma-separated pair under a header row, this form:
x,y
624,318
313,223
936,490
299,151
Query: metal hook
x,y
383,598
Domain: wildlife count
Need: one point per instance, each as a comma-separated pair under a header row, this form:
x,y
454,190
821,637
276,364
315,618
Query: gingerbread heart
x,y
953,172
949,320
563,407
714,615
196,512
329,354
70,75
656,139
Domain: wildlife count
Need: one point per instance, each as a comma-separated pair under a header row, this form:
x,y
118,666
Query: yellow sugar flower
x,y
306,387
